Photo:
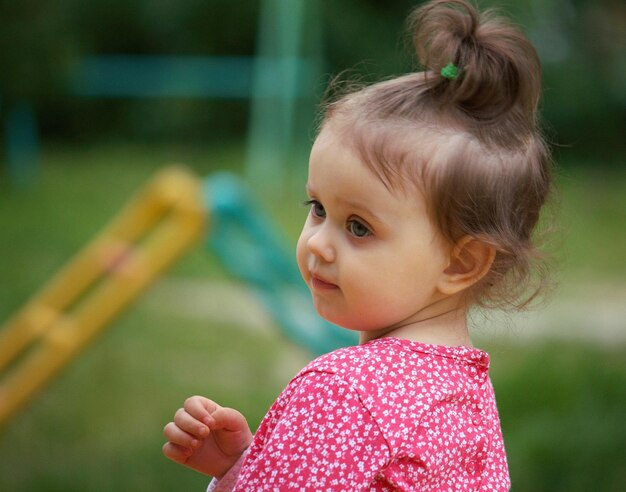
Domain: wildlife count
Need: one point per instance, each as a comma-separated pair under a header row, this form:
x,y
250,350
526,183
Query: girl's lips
x,y
318,283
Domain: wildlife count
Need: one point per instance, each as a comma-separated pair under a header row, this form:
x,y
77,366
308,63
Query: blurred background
x,y
96,96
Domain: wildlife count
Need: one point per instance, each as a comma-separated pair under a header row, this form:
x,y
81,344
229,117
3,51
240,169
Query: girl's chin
x,y
349,324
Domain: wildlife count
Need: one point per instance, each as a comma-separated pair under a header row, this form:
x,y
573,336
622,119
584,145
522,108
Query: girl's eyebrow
x,y
360,208
310,190
351,204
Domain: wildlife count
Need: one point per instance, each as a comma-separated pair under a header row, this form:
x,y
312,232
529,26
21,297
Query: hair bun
x,y
498,68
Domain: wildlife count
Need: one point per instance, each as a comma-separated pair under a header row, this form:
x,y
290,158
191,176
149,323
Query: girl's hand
x,y
206,437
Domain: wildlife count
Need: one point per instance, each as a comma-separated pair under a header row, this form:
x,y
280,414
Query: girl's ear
x,y
470,260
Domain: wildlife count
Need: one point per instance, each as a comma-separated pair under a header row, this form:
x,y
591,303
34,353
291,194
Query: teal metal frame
x,y
280,82
251,247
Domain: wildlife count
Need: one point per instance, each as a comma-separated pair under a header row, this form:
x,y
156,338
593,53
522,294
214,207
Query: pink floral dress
x,y
388,415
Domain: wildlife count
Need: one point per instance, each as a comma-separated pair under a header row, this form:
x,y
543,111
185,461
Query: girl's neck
x,y
444,324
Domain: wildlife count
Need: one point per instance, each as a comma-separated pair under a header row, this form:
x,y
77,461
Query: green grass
x,y
593,222
98,425
562,410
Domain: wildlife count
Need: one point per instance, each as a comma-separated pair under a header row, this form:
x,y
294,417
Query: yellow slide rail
x,y
150,232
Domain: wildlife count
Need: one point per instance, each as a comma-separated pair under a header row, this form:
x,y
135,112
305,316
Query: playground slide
x,y
97,284
147,236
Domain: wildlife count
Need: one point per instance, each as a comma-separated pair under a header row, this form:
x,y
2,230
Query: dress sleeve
x,y
228,481
323,439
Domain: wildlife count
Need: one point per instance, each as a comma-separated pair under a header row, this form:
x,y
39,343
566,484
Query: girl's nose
x,y
320,244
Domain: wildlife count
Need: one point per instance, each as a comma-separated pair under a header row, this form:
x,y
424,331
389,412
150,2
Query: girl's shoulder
x,y
389,356
389,370
400,382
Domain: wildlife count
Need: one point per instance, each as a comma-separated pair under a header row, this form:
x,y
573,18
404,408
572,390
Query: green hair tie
x,y
450,71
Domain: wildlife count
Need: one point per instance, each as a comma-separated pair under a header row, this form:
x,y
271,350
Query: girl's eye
x,y
358,229
317,209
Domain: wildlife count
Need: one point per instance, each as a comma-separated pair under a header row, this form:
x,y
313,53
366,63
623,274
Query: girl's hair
x,y
470,144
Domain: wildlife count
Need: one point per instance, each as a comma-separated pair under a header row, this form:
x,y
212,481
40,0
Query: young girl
x,y
424,192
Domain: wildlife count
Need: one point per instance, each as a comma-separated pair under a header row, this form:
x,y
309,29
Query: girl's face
x,y
371,258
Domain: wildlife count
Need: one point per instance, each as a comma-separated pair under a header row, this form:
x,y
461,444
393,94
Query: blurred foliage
x,y
561,406
36,45
581,42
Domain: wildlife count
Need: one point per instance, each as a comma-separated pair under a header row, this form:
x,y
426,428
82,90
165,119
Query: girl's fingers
x,y
190,424
229,419
200,408
176,453
176,435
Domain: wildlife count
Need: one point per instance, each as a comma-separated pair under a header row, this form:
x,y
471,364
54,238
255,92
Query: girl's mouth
x,y
320,284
